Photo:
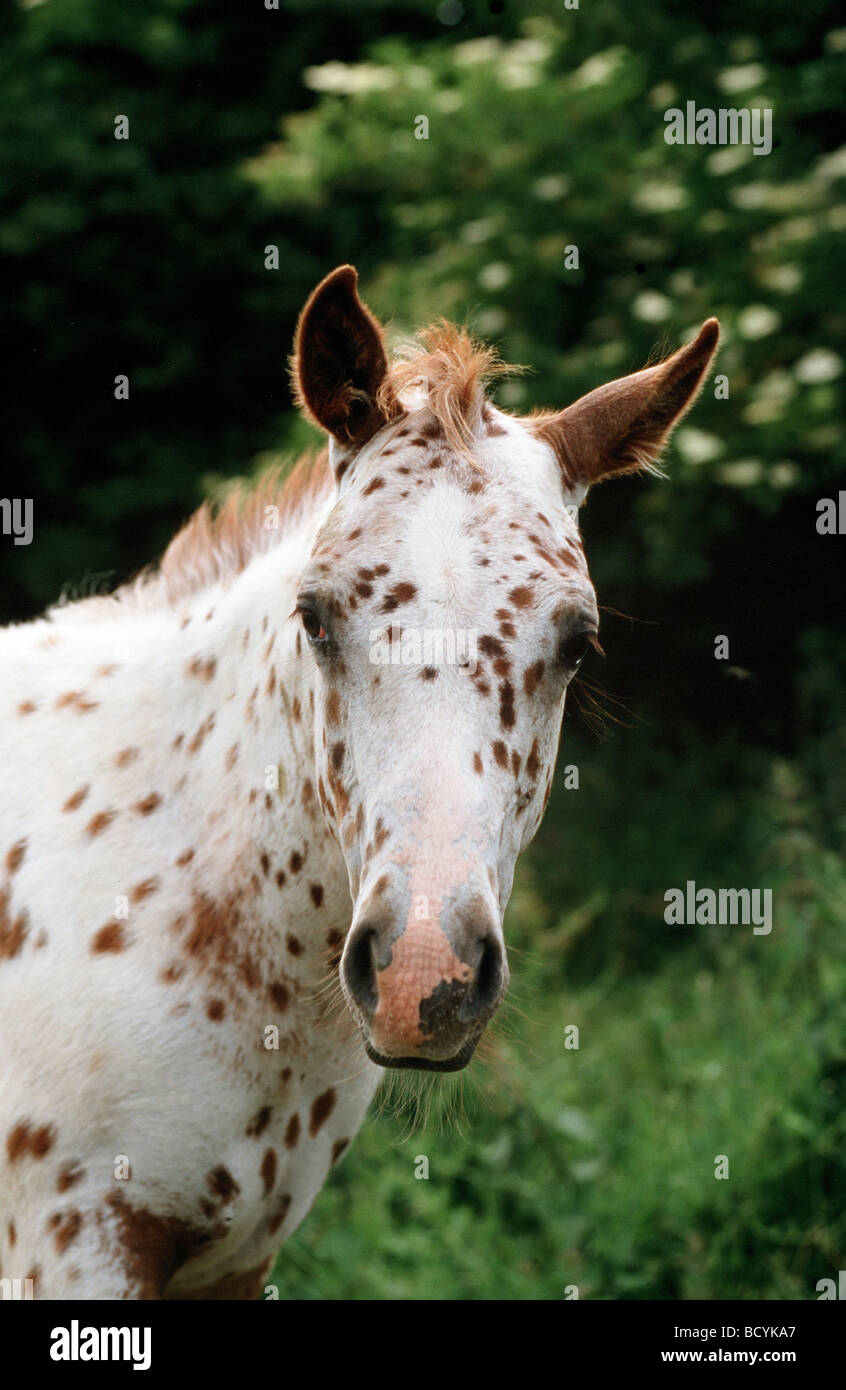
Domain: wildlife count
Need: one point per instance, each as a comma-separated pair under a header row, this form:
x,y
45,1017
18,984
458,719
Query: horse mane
x,y
219,540
445,368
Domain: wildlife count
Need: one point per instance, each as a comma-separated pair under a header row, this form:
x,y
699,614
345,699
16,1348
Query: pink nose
x,y
424,994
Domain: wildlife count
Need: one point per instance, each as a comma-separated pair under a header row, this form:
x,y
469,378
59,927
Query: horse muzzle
x,y
423,991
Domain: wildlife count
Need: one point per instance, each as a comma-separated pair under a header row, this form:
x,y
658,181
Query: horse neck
x,y
204,734
229,681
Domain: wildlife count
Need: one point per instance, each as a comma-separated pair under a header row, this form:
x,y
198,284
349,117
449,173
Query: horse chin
x,y
455,1063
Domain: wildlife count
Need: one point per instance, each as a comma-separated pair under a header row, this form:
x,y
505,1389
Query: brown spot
x,y
204,669
100,822
428,673
14,858
506,705
533,763
295,863
316,891
294,944
185,858
372,486
108,938
333,712
231,757
153,1247
75,801
148,805
500,753
216,1010
338,1148
27,707
143,890
202,733
13,1235
478,765
321,1109
268,1170
23,1139
221,1184
264,860
491,646
400,593
515,762
280,878
258,1124
67,1227
70,1175
12,932
532,677
292,1131
74,699
279,995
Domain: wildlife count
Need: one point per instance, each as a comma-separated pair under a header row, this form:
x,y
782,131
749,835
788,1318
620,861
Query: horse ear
x,y
339,368
623,426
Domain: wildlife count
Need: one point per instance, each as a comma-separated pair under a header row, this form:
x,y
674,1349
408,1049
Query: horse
x,y
243,783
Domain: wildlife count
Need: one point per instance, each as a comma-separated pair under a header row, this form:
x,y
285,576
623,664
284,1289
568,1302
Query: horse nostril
x,y
484,995
359,971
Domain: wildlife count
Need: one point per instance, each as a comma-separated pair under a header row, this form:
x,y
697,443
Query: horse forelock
x,y
448,370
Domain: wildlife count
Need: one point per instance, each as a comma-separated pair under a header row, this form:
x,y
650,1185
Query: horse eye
x,y
573,650
312,625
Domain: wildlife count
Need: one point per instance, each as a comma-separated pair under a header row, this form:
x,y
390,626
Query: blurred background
x,y
294,127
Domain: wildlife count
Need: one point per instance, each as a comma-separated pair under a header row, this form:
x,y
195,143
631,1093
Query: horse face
x,y
448,605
